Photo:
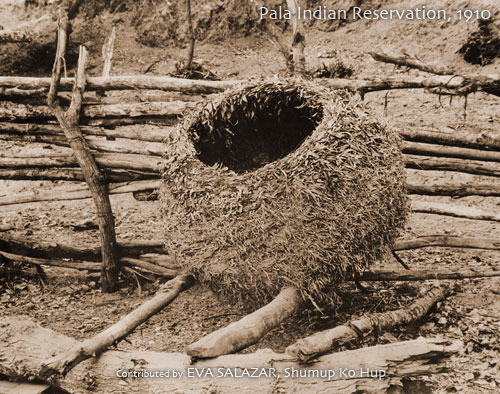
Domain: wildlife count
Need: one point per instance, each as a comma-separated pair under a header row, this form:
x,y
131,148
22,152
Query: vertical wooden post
x,y
107,53
298,39
96,181
191,37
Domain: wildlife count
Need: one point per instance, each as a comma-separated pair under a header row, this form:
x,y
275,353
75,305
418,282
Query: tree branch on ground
x,y
60,364
325,341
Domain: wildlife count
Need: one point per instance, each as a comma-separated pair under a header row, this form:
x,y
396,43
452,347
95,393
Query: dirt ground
x,y
72,305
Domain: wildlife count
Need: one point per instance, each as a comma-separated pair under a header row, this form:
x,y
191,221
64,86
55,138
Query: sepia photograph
x,y
249,196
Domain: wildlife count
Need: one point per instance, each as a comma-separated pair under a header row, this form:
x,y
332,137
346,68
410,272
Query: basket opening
x,y
247,132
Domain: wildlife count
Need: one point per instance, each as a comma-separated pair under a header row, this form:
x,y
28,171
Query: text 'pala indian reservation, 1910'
x,y
357,13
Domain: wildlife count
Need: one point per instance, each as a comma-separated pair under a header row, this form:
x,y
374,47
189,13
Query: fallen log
x,y
487,84
152,148
448,164
78,193
439,208
447,241
106,160
18,271
60,364
250,329
166,109
322,342
23,388
454,189
133,271
131,82
471,140
422,275
149,195
12,94
420,148
37,97
156,269
16,111
200,86
167,268
72,174
102,145
135,132
459,84
78,265
411,62
160,259
114,370
157,120
44,249
471,83
24,168
93,266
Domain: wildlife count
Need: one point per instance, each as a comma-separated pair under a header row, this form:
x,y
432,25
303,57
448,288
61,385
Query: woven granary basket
x,y
279,184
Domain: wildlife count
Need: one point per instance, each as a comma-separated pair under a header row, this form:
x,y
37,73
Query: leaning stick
x,y
324,341
95,180
62,363
250,329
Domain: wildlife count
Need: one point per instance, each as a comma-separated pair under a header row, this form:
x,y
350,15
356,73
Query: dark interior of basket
x,y
246,132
